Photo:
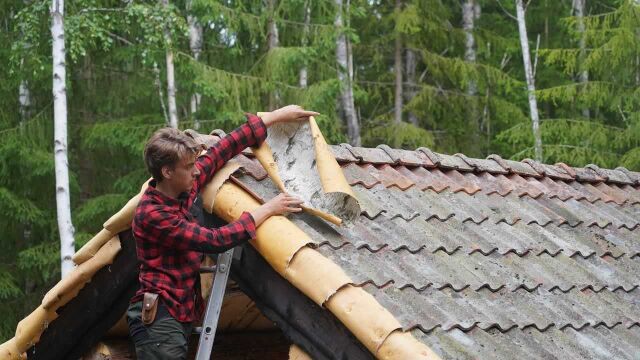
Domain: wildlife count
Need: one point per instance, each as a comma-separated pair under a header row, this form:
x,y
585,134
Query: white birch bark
x,y
195,44
24,99
63,201
24,93
398,105
345,75
171,80
410,91
468,25
531,87
305,41
578,12
471,12
273,41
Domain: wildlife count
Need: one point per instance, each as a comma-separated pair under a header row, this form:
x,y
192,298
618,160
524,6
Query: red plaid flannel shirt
x,y
169,242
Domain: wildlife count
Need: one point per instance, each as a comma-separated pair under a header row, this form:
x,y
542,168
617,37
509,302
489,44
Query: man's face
x,y
182,175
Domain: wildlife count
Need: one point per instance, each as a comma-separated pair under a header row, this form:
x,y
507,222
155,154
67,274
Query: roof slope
x,y
490,258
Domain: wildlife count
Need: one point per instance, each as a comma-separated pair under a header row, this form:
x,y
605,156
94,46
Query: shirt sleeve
x,y
251,133
175,232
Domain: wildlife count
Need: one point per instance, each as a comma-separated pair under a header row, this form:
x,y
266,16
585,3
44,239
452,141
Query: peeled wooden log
x,y
315,275
82,274
121,220
92,247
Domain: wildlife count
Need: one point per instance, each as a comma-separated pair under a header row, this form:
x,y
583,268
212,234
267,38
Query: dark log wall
x,y
96,308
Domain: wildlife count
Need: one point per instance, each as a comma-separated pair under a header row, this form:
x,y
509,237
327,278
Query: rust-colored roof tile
x,y
495,184
390,177
360,174
560,189
614,176
251,167
632,175
584,194
618,195
634,194
595,194
370,155
587,175
462,182
537,184
424,179
342,153
552,171
568,169
481,165
453,162
524,187
407,157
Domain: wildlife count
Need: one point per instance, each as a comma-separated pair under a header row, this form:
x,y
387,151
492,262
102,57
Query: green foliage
x,y
114,48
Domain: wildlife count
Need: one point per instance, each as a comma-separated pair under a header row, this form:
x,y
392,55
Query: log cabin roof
x,y
478,257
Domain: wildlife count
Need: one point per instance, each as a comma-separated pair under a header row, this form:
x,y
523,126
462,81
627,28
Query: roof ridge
x,y
494,164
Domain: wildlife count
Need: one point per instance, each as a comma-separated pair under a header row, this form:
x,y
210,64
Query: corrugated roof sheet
x,y
491,258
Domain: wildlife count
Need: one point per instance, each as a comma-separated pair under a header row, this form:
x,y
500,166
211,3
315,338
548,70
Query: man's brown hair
x,y
165,148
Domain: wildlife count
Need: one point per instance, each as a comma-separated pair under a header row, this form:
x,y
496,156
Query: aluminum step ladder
x,y
214,304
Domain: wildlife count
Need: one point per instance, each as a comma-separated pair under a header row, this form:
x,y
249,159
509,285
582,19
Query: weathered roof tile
x,y
516,167
434,157
614,176
407,157
552,171
632,175
342,153
390,177
369,155
587,175
481,165
453,162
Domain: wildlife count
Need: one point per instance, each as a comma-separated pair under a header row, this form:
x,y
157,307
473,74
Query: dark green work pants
x,y
165,338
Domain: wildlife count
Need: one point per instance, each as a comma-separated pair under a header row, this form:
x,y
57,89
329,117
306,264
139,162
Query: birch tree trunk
x,y
273,41
410,91
398,70
531,87
24,98
24,93
345,75
63,201
583,77
468,25
470,12
305,42
195,44
171,80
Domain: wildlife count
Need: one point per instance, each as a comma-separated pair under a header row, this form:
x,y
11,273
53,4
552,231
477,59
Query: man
x,y
169,242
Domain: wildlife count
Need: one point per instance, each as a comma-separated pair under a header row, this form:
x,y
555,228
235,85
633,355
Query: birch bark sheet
x,y
299,162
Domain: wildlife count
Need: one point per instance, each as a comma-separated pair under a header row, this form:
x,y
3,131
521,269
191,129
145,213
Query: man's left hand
x,y
288,113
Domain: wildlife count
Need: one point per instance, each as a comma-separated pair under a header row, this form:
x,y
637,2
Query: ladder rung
x,y
207,269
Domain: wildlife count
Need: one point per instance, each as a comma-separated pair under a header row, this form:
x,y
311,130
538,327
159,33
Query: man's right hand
x,y
279,205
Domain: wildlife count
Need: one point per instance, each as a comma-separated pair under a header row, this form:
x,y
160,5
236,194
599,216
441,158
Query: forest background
x,y
445,74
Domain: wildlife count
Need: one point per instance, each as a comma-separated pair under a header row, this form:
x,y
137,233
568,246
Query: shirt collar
x,y
164,199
